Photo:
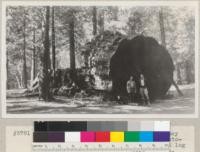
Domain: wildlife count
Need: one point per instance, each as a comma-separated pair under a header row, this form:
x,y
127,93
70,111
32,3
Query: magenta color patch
x,y
87,136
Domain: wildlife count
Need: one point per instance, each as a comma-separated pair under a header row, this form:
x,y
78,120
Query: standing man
x,y
144,91
131,89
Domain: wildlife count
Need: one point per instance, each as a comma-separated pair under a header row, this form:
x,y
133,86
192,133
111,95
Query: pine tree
x,y
94,20
24,52
72,42
53,43
162,28
46,60
33,69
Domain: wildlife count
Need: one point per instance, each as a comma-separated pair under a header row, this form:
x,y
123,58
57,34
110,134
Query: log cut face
x,y
142,55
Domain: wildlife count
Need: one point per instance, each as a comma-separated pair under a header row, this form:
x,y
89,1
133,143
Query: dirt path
x,y
93,105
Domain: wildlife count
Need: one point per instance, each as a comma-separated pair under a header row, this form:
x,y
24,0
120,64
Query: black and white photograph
x,y
100,58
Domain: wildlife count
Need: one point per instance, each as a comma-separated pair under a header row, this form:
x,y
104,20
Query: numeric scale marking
x,y
103,147
108,136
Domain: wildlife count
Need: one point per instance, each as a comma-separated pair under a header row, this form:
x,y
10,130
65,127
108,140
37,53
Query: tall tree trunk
x,y
163,41
101,22
46,60
115,13
24,54
94,20
53,45
162,28
72,43
7,66
21,78
179,79
33,69
188,71
18,82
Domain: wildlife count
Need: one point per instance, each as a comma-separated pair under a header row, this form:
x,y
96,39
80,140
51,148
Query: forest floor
x,y
95,105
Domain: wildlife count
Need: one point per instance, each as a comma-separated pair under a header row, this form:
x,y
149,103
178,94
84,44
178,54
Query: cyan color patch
x,y
146,136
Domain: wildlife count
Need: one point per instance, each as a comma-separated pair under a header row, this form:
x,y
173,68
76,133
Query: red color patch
x,y
103,136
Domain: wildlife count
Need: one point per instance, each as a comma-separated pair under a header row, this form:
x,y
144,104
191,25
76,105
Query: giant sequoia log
x,y
142,55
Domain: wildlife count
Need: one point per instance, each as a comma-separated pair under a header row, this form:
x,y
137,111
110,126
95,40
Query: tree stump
x,y
142,55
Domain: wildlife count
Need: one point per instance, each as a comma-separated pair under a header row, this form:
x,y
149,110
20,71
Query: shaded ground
x,y
95,105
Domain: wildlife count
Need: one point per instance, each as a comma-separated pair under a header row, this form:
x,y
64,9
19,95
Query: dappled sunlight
x,y
94,105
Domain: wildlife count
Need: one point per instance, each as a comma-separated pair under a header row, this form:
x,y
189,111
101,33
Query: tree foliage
x,y
77,36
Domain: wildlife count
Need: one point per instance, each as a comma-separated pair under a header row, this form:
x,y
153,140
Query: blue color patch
x,y
146,136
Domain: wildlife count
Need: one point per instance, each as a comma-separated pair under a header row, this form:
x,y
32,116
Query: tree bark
x,y
179,79
101,22
163,41
94,20
18,81
115,13
21,78
24,54
33,69
188,71
162,28
53,44
46,60
177,88
72,42
7,66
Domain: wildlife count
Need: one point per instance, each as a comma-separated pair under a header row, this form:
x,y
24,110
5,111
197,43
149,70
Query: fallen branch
x,y
177,88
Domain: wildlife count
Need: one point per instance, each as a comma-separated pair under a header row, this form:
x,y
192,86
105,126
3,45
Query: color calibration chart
x,y
123,136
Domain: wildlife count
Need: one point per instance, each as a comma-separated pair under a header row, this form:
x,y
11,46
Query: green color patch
x,y
131,136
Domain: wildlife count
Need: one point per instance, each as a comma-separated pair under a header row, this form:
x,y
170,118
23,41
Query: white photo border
x,y
195,4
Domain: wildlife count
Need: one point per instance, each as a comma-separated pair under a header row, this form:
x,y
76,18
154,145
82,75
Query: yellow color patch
x,y
116,136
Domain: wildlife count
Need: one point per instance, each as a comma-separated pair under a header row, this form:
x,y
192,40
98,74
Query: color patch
x,y
134,126
107,126
113,126
132,136
120,125
147,126
40,137
161,126
57,126
72,137
60,126
94,126
87,136
146,136
116,136
40,126
56,137
103,136
161,136
77,126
